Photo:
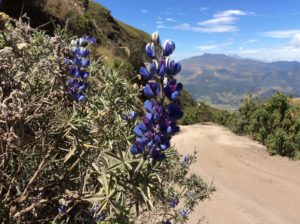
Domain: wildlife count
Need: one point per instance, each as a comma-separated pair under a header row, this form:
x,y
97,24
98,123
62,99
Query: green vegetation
x,y
274,122
68,162
205,113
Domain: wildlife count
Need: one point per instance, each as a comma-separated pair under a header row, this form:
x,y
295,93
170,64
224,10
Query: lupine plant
x,y
65,152
78,64
153,133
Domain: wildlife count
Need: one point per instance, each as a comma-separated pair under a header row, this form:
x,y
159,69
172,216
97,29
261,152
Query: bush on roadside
x,y
273,122
64,148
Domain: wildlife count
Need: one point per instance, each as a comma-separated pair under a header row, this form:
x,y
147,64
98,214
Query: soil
x,y
252,187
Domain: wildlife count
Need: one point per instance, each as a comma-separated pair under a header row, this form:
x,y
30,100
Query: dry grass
x,y
296,101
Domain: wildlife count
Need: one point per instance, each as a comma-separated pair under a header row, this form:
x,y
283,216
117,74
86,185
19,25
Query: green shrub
x,y
69,162
274,122
85,23
279,143
205,113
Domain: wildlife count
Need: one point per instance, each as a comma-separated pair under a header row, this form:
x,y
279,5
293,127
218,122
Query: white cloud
x,y
207,47
171,20
288,52
230,13
214,46
281,33
159,22
216,29
218,20
276,53
212,29
222,21
144,11
295,40
251,41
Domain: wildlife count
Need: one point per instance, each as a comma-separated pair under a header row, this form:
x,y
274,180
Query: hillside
x,y
118,44
115,39
224,80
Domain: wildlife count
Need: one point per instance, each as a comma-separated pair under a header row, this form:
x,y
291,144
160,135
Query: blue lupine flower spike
x,y
153,133
78,65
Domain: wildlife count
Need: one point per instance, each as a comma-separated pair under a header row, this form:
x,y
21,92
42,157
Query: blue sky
x,y
267,30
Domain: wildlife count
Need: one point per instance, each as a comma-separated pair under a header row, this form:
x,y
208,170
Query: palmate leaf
x,y
123,160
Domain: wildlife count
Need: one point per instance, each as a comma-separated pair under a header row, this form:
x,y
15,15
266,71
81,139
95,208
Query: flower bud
x,y
177,68
155,37
144,73
168,48
162,69
81,98
150,50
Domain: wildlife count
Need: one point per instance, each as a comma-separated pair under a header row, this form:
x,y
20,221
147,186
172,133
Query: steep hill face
x,y
224,80
115,39
118,44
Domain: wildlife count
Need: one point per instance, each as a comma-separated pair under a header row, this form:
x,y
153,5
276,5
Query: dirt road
x,y
252,187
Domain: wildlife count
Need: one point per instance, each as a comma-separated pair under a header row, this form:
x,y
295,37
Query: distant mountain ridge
x,y
225,80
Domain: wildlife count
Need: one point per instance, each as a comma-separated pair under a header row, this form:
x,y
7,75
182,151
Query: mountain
x,y
225,80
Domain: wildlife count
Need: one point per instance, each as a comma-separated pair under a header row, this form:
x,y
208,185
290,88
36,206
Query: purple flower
x,y
168,48
149,71
172,89
184,212
92,40
174,111
174,202
162,69
68,61
186,159
100,217
76,86
95,207
81,51
85,62
151,89
81,98
150,50
189,194
153,133
174,68
158,156
166,222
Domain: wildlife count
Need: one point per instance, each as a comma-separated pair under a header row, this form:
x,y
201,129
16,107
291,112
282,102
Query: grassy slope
x,y
118,43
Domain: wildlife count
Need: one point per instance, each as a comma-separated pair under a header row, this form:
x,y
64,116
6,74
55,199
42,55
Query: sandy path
x,y
252,187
